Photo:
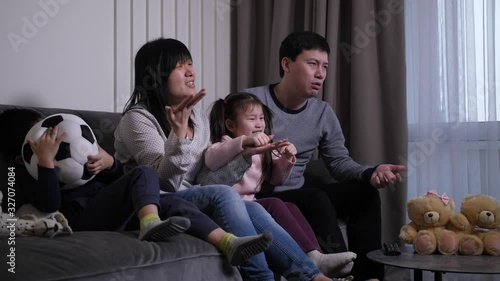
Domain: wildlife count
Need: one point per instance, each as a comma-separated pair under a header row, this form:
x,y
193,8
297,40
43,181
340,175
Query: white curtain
x,y
453,74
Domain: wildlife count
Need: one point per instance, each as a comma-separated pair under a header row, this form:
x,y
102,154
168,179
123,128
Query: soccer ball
x,y
69,162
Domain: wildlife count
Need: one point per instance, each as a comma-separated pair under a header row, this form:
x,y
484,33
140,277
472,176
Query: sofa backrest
x,y
102,123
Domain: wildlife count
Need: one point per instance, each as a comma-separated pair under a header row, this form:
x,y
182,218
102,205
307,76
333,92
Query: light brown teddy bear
x,y
479,219
429,215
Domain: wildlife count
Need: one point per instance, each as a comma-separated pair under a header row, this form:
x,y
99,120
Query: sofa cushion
x,y
102,255
109,256
316,174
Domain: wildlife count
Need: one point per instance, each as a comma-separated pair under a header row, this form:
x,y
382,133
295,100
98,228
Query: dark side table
x,y
439,264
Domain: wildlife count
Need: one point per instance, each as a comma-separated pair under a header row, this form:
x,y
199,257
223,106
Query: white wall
x,y
79,53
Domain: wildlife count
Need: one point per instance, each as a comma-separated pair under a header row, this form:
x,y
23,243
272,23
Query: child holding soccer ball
x,y
110,200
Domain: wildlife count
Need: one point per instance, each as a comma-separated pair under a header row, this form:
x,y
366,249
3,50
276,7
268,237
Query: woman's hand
x,y
99,162
178,116
46,146
386,174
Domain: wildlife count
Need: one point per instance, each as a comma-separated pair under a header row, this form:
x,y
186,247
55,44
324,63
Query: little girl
x,y
238,125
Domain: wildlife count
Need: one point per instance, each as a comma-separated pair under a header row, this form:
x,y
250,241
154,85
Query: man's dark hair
x,y
299,41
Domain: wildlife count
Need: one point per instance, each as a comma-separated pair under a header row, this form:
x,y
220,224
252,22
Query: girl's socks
x,y
148,218
333,265
239,249
153,229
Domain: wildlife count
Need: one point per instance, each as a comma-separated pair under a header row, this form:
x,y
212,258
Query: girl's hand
x,y
46,146
99,162
252,150
289,151
178,116
257,139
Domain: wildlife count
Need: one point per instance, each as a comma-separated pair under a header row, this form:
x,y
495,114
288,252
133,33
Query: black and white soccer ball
x,y
80,142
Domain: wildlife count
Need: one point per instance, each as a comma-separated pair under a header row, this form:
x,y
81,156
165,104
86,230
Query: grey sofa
x,y
110,256
114,256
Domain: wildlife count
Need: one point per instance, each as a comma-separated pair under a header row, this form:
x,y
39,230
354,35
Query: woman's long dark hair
x,y
228,108
154,62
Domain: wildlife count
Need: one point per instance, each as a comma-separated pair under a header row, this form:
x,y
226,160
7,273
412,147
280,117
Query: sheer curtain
x,y
453,73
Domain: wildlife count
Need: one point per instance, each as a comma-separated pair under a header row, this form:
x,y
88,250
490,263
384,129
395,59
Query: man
x,y
310,123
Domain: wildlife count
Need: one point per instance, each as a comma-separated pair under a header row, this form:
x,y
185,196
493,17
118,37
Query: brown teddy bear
x,y
429,215
479,220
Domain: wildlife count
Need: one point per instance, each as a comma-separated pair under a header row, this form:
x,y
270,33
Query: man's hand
x,y
386,174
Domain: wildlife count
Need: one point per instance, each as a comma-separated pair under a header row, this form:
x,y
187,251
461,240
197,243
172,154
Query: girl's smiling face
x,y
250,120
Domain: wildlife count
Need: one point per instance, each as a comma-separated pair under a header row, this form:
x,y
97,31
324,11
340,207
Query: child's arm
x,y
283,163
47,192
103,162
220,153
260,143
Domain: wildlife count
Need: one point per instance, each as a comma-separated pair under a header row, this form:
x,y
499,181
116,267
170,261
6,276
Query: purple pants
x,y
293,221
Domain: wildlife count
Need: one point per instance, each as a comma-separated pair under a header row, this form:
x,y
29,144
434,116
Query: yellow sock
x,y
225,242
148,218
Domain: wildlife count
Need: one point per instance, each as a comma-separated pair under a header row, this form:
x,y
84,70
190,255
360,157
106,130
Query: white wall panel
x,y
169,15
222,51
196,41
80,53
203,25
182,21
139,24
66,55
208,59
124,55
154,19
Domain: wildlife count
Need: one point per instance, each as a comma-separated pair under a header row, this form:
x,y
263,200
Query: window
x,y
453,94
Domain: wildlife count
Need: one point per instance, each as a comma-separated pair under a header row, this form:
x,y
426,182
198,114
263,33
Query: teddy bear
x,y
429,215
479,221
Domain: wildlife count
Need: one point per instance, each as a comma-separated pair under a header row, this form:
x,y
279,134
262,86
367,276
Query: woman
x,y
161,128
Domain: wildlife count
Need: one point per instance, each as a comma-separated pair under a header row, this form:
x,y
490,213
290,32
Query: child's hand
x,y
270,146
289,151
46,146
257,139
99,162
